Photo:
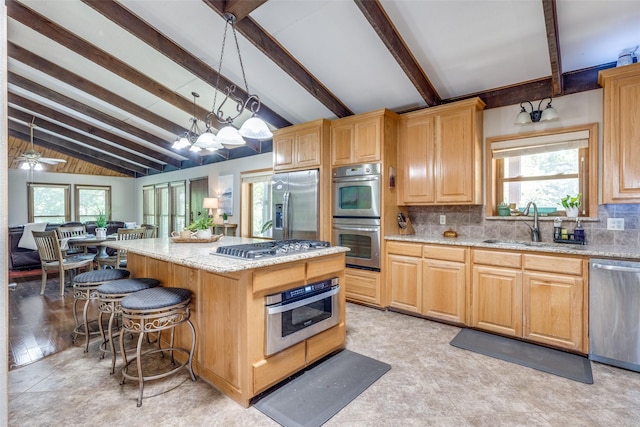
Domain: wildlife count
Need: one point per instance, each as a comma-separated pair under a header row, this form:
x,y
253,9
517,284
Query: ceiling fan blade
x,y
51,161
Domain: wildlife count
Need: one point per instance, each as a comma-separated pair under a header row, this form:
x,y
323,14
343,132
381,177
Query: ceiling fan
x,y
31,159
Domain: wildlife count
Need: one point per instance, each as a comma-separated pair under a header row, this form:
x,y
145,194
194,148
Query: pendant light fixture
x,y
229,135
191,135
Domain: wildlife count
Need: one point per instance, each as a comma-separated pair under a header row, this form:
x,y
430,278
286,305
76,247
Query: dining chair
x,y
119,259
150,231
52,259
66,232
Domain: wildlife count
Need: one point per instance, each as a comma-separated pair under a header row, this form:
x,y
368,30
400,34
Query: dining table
x,y
93,240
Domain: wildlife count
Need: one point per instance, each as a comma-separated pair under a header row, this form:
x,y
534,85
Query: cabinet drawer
x,y
497,258
444,253
409,249
277,367
554,264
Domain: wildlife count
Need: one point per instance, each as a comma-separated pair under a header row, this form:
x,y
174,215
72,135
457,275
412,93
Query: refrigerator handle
x,y
285,216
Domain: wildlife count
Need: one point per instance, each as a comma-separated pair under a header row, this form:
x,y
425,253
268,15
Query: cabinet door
x,y
363,286
283,151
621,156
341,144
444,290
367,141
553,309
415,158
454,160
307,148
404,279
496,297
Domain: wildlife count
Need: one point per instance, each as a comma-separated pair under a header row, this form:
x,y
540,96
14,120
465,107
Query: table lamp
x,y
210,203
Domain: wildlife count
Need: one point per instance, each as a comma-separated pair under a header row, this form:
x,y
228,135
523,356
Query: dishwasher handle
x,y
616,268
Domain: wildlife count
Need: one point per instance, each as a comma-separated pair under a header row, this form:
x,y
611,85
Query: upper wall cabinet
x,y
621,155
360,139
300,146
439,155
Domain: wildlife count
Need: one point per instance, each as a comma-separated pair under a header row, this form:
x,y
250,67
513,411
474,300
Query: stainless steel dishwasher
x,y
614,313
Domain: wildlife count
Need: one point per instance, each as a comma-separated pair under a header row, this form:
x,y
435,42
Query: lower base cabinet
x,y
364,287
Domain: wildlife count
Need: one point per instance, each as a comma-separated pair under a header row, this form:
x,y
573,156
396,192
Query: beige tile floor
x,y
430,384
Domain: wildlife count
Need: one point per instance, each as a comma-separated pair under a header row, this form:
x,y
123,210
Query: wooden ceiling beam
x,y
74,140
551,24
281,57
379,20
69,40
87,128
95,114
53,143
242,8
139,28
59,73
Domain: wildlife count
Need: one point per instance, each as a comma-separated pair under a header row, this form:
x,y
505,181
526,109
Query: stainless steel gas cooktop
x,y
270,248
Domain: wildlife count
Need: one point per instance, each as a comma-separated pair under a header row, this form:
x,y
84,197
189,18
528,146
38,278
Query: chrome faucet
x,y
535,230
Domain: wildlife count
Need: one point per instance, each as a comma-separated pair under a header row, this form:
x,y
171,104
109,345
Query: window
x,y
90,201
49,203
543,167
148,205
164,205
256,204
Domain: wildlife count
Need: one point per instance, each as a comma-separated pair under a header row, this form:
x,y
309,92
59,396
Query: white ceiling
x,y
464,47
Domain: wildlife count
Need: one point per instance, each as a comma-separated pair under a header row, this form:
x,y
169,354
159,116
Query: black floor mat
x,y
561,363
312,398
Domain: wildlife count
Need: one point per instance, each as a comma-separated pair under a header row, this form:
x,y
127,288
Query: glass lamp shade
x,y
229,135
523,117
181,142
549,113
25,166
207,141
38,167
255,128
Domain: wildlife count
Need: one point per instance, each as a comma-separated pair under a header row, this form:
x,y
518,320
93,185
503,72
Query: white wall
x,y
212,171
123,194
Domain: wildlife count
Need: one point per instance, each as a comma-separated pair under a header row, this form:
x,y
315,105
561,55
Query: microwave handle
x,y
285,216
279,308
357,178
355,228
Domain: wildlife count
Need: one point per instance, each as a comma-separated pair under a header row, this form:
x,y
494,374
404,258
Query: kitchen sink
x,y
499,242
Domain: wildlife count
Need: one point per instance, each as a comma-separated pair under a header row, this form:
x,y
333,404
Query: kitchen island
x,y
228,307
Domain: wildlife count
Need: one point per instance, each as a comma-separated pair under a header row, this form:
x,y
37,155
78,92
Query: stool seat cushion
x,y
155,298
101,276
127,285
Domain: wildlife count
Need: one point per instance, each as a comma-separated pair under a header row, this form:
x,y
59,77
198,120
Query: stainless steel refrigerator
x,y
295,205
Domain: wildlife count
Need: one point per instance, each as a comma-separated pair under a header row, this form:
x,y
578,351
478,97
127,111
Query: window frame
x,y
76,192
588,175
30,199
247,180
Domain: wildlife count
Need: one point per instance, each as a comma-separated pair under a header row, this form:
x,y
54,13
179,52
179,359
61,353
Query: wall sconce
x,y
535,116
210,203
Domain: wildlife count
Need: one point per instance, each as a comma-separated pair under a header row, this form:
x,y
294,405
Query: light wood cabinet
x,y
621,134
364,286
439,154
360,139
430,280
300,146
541,298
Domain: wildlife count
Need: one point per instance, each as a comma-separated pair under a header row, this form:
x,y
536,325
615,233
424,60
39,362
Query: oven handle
x,y
357,179
281,307
355,228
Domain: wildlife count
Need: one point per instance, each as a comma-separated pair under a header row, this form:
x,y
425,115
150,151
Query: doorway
x,y
198,190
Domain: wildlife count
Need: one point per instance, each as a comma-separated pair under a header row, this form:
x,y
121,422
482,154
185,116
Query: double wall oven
x,y
356,214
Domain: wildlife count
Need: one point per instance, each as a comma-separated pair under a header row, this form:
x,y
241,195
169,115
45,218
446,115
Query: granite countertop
x,y
595,251
202,255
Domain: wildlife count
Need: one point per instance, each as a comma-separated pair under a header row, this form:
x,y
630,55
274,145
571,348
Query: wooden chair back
x,y
48,245
150,231
66,232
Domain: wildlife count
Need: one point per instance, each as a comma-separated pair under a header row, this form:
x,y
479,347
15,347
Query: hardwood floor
x,y
39,325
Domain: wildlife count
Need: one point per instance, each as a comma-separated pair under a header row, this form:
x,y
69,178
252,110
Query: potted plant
x,y
101,224
225,218
202,227
503,209
571,204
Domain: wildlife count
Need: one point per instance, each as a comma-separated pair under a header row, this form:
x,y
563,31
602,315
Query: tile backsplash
x,y
471,221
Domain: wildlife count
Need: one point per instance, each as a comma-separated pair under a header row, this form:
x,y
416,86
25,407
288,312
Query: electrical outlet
x,y
615,224
443,219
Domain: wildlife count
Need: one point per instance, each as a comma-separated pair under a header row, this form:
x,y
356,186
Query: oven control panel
x,y
302,291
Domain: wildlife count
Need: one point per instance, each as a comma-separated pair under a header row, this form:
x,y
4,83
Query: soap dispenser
x,y
578,232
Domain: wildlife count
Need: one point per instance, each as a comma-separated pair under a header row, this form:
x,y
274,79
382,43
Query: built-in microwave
x,y
356,191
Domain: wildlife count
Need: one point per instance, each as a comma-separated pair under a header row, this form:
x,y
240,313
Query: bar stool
x,y
110,295
84,289
154,310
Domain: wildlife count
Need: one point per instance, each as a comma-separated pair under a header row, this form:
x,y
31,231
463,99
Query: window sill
x,y
542,218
